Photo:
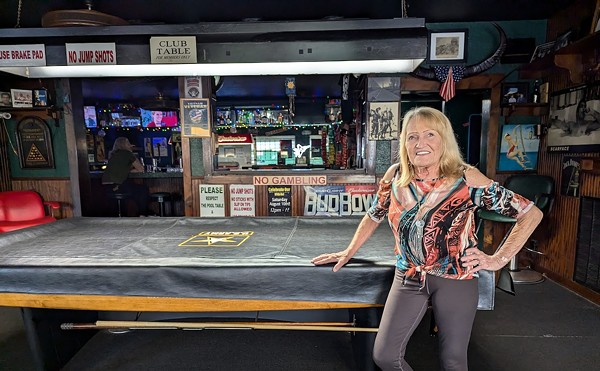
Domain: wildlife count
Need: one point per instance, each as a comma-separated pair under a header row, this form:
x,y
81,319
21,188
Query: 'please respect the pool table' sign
x,y
212,200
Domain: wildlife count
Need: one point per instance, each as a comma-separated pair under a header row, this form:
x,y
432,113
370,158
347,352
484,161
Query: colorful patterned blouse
x,y
433,228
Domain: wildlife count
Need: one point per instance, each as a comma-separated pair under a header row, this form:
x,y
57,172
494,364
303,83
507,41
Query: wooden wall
x,y
51,190
558,237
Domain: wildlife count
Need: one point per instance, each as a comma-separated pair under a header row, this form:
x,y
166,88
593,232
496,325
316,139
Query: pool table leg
x,y
52,347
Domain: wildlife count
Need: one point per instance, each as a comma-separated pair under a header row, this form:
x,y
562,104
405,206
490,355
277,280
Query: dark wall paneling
x,y
558,237
587,263
50,190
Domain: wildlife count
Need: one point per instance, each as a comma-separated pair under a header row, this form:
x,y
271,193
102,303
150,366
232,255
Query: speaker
x,y
518,50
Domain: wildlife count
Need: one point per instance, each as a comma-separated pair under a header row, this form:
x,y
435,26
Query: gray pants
x,y
454,306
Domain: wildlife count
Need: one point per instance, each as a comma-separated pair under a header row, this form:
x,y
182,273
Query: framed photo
x,y
383,120
514,93
5,99
21,98
195,114
447,46
518,149
40,98
574,120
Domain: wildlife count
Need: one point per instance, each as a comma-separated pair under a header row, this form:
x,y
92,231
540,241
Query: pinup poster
x,y
518,148
574,120
569,180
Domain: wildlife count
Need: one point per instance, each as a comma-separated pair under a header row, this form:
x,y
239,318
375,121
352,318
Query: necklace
x,y
420,222
430,180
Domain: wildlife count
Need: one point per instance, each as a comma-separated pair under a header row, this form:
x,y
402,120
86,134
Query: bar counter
x,y
171,182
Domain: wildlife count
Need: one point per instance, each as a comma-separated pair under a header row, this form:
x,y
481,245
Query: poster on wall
x,y
35,144
280,200
574,120
339,200
383,121
569,180
383,89
241,200
195,115
212,200
518,150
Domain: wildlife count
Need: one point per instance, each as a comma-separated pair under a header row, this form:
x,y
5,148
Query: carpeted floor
x,y
545,327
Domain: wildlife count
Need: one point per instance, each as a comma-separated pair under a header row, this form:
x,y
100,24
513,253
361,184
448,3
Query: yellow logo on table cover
x,y
218,239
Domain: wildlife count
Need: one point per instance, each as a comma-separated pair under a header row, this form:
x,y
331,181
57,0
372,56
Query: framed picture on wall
x,y
569,179
447,46
518,149
514,93
195,117
5,99
35,143
383,120
383,89
574,120
22,98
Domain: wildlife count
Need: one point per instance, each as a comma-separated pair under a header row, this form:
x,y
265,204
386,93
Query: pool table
x,y
73,269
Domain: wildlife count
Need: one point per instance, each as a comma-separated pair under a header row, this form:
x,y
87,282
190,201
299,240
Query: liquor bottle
x,y
535,96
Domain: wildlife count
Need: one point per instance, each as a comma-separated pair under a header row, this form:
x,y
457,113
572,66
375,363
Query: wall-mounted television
x,y
119,119
89,116
154,119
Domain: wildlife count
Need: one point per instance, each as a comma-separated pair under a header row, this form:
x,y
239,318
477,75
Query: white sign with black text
x,y
212,200
176,49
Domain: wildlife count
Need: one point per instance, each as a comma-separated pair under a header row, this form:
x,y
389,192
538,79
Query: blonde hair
x,y
120,143
452,164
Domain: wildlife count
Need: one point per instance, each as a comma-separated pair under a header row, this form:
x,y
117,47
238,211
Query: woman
x,y
430,198
514,153
122,161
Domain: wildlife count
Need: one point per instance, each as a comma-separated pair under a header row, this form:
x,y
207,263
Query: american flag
x,y
447,89
450,76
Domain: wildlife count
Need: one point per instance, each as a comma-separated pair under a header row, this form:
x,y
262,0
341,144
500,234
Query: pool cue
x,y
144,325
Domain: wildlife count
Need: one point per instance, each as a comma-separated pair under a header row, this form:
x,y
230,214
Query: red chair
x,y
22,209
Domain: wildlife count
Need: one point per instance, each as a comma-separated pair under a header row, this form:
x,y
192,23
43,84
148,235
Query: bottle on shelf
x,y
535,95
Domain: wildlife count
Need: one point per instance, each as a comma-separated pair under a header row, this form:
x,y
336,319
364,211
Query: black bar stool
x,y
119,196
161,198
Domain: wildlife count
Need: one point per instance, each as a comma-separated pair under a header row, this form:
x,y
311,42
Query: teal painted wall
x,y
483,40
59,148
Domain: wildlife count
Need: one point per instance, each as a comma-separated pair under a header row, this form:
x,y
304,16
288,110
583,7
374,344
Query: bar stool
x,y
119,196
161,198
